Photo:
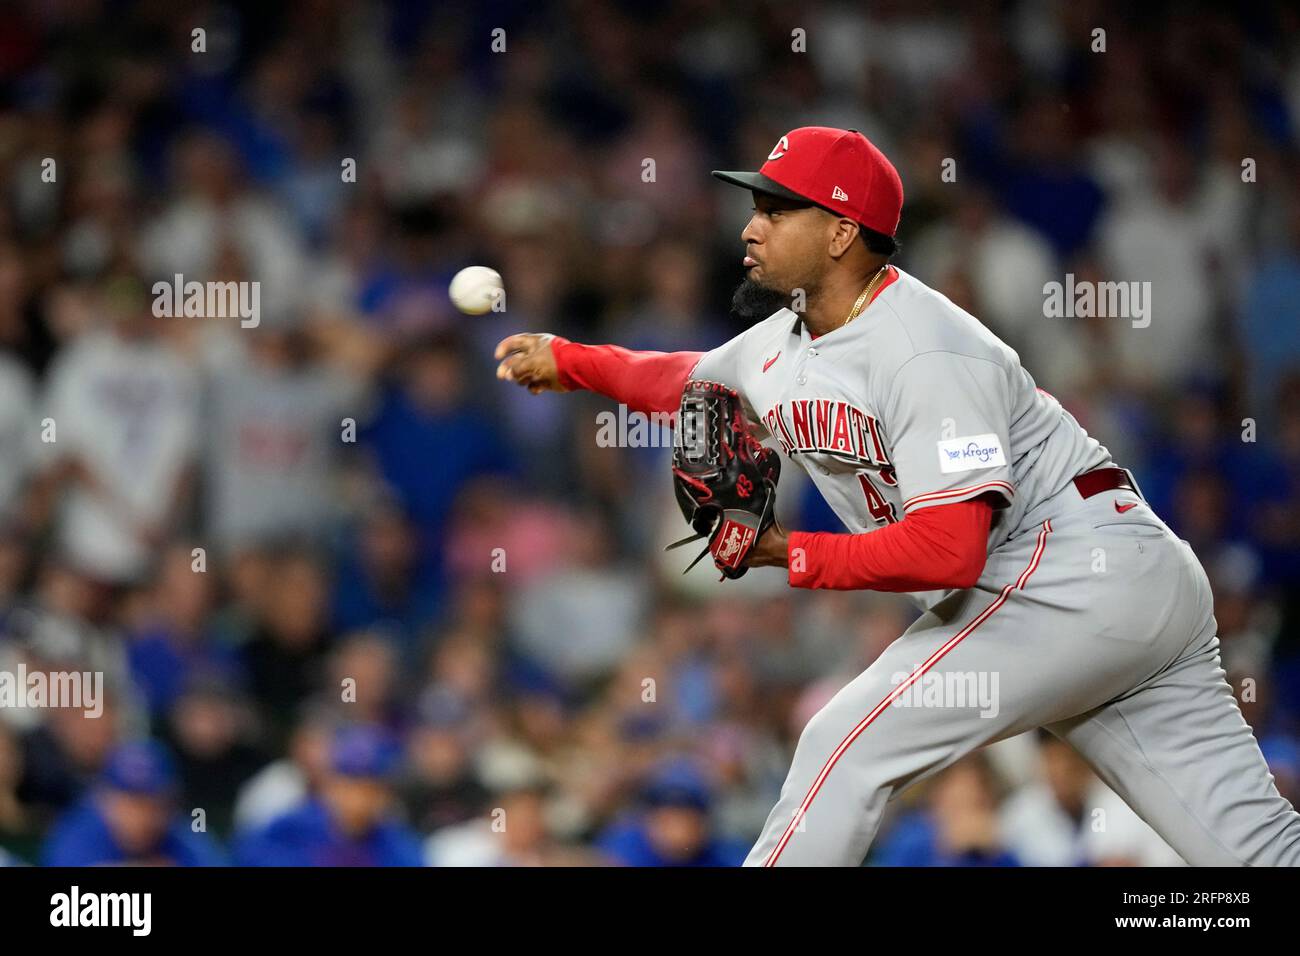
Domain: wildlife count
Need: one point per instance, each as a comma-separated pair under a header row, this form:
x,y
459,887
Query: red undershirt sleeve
x,y
646,382
935,548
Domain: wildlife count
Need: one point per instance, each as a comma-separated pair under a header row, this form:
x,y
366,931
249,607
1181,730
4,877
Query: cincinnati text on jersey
x,y
831,427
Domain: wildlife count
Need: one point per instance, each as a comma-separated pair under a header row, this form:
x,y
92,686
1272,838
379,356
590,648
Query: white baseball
x,y
475,289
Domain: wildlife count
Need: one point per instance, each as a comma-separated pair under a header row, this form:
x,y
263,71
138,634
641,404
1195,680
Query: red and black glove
x,y
724,479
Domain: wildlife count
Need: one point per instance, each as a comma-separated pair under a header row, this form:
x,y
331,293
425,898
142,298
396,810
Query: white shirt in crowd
x,y
127,409
1038,830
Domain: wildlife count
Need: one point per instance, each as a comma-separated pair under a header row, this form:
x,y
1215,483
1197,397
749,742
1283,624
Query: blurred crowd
x,y
357,602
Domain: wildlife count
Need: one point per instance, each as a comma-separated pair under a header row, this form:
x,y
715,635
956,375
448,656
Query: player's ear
x,y
843,236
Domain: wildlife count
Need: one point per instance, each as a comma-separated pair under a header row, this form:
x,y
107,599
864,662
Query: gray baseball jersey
x,y
920,406
1091,617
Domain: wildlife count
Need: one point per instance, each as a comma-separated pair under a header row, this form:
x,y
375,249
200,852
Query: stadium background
x,y
535,683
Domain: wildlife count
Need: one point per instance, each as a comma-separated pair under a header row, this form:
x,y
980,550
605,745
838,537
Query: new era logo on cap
x,y
825,167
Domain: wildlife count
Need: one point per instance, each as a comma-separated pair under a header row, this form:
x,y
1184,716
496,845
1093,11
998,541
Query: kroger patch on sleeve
x,y
970,453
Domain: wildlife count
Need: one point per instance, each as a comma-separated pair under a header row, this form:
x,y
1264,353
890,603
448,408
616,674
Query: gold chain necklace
x,y
866,294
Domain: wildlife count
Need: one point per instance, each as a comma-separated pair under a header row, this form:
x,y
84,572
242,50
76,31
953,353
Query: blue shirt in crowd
x,y
81,837
914,842
629,844
307,837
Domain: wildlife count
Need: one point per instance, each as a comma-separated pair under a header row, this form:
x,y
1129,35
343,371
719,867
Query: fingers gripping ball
x,y
475,289
725,481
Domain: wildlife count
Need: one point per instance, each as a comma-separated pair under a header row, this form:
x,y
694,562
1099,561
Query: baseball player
x,y
1033,556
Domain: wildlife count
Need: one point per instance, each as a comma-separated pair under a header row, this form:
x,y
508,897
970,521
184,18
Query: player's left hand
x,y
772,550
723,479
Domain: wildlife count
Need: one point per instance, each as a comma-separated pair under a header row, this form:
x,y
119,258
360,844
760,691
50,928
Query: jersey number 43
x,y
880,509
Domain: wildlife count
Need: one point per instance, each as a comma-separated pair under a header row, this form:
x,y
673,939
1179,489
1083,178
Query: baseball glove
x,y
724,479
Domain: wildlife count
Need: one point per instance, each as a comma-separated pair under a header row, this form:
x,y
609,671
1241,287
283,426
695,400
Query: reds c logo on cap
x,y
838,169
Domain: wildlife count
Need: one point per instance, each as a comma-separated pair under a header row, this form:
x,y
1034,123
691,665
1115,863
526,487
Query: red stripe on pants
x,y
912,678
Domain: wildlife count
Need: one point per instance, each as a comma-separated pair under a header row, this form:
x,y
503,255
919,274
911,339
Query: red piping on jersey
x,y
912,678
1008,489
889,280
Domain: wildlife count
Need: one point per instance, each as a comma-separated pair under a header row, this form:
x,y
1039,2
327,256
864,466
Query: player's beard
x,y
752,302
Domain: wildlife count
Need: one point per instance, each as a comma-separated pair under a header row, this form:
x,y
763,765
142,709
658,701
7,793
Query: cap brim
x,y
760,183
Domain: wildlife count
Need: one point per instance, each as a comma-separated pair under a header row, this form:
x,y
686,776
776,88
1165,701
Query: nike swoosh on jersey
x,y
1127,506
768,364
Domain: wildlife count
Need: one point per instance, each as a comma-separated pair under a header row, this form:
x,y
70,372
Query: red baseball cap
x,y
839,170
